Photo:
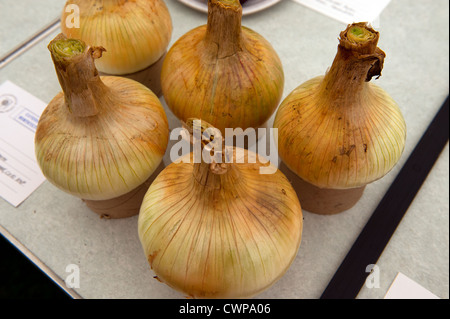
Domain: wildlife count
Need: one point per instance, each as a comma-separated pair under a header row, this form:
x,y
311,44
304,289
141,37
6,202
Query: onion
x,y
340,131
135,34
102,137
220,229
223,73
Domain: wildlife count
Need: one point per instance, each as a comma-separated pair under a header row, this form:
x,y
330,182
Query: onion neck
x,y
219,169
223,30
358,59
215,176
79,79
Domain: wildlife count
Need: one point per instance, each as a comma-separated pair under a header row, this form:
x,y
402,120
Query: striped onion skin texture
x,y
107,155
240,90
220,236
343,143
135,33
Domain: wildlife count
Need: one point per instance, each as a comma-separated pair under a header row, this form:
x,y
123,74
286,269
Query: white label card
x,y
20,174
405,288
348,11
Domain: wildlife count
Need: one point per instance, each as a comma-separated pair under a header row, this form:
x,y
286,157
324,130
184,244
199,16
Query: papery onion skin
x,y
111,150
220,236
234,79
339,130
135,33
109,159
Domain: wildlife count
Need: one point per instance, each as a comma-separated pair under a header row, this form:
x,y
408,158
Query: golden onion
x,y
101,137
135,33
220,230
340,131
223,73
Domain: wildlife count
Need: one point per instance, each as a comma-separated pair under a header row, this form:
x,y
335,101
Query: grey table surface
x,y
56,230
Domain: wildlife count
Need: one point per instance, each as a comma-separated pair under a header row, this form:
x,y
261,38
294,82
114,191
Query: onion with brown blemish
x,y
340,132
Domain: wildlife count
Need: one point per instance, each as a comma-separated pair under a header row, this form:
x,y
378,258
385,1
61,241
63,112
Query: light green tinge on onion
x,y
67,48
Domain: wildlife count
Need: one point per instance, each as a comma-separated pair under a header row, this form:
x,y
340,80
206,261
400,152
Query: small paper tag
x,y
405,288
349,11
20,174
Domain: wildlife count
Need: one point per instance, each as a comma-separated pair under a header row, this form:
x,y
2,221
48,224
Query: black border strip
x,y
351,275
25,255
